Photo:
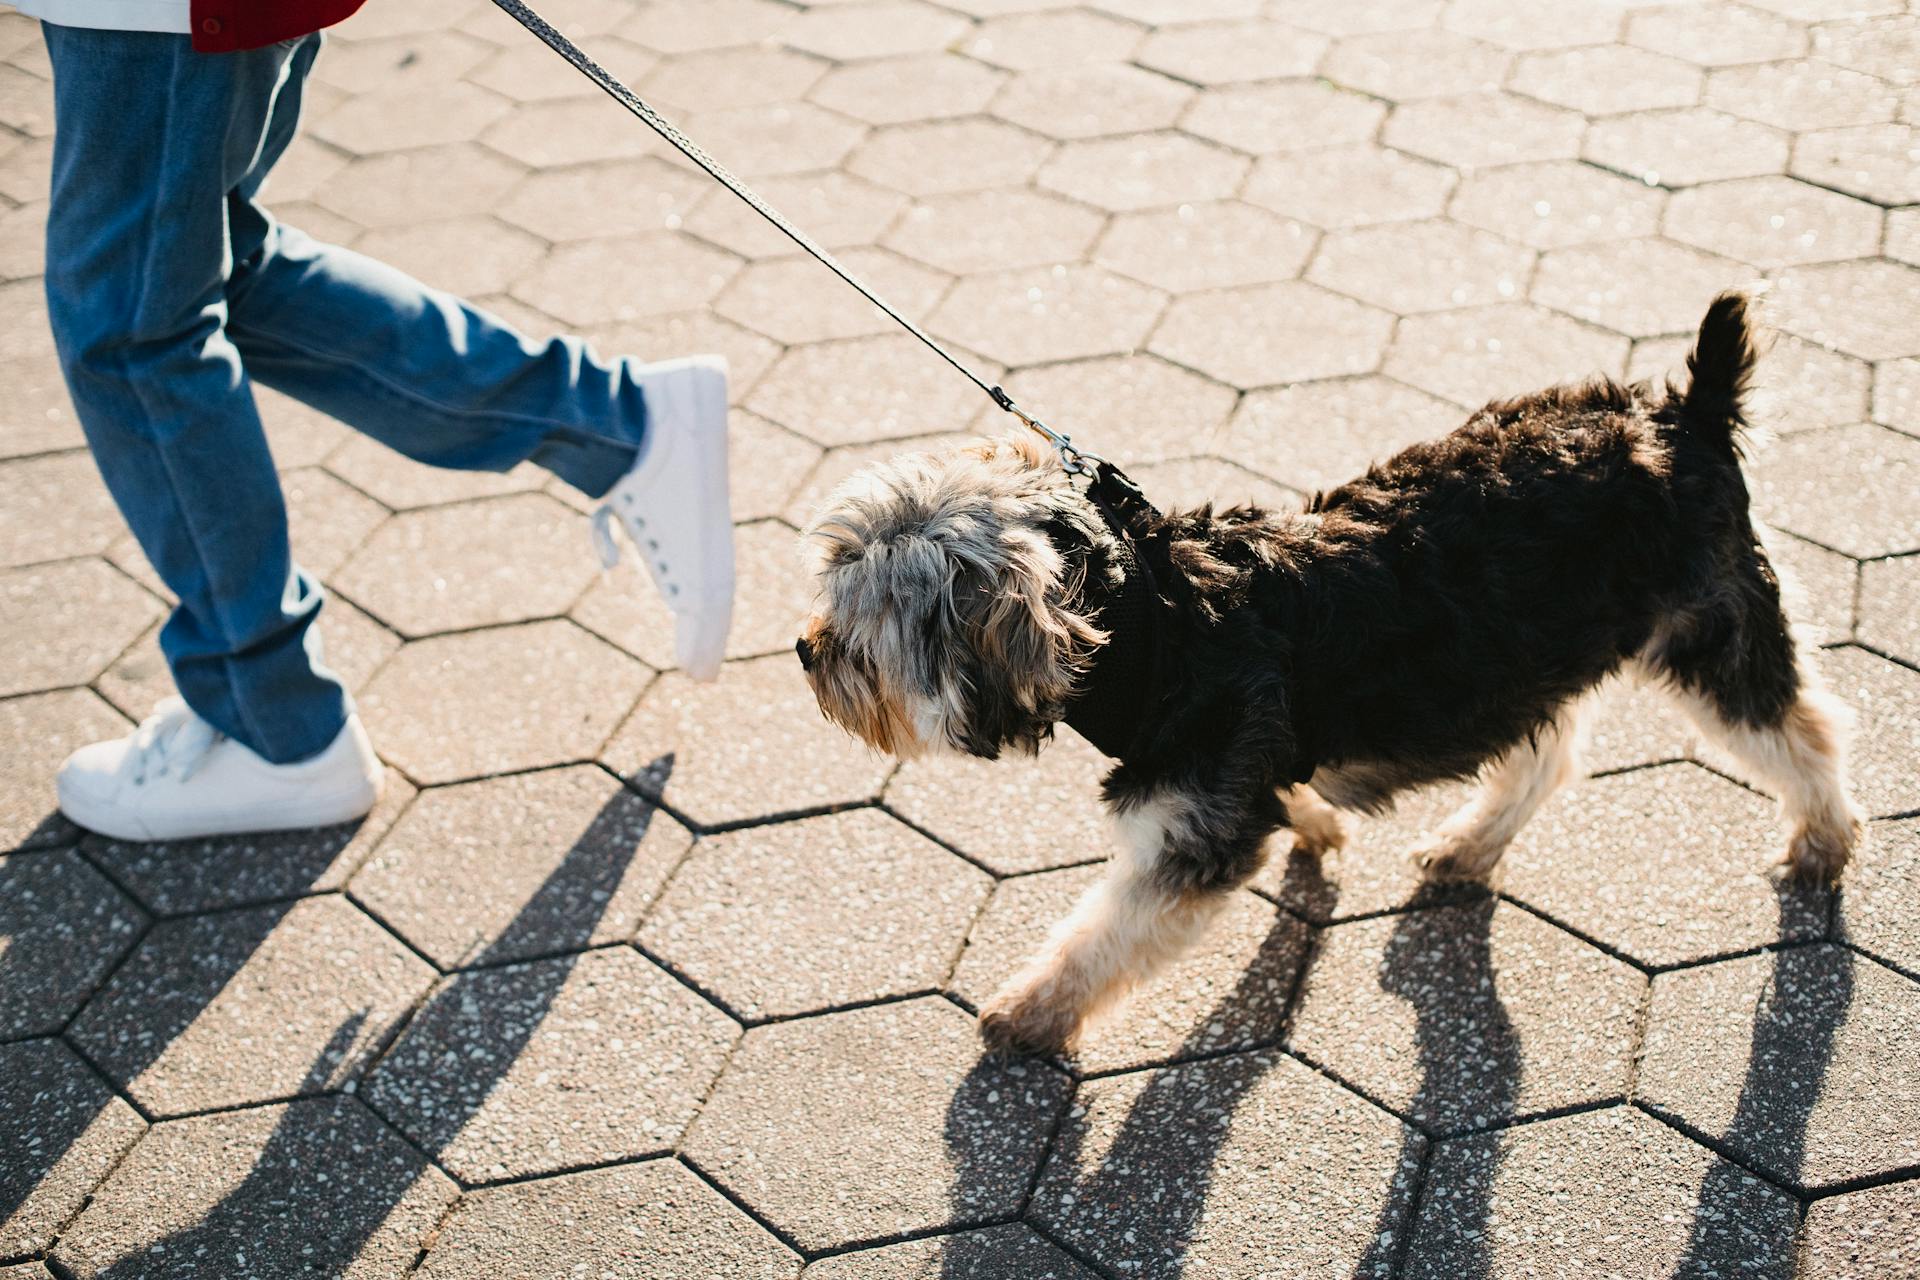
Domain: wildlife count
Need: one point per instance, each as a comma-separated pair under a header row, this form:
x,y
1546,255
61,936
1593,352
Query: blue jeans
x,y
172,290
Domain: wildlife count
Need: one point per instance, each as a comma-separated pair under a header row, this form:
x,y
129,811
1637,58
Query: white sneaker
x,y
675,509
176,778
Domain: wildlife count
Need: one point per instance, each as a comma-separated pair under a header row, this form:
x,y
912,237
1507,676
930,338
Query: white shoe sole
x,y
117,823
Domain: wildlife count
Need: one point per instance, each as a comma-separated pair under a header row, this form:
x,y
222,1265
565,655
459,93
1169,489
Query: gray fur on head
x,y
942,616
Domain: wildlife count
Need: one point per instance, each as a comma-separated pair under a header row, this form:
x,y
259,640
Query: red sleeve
x,y
222,26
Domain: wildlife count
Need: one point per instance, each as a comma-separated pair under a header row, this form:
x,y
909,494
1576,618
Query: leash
x,y
1077,461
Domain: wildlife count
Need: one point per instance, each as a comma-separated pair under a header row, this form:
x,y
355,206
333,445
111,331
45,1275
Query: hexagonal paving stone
x,y
65,928
421,116
1896,394
748,355
26,102
1230,990
1799,385
1092,102
683,26
838,212
1796,481
1171,1172
1401,66
956,1143
1014,1250
320,1187
1422,266
803,916
868,389
521,866
1275,333
34,405
1666,865
552,135
1138,407
1773,222
67,621
1471,356
1884,46
507,559
1606,80
605,280
1808,94
771,596
1876,900
1558,203
1359,17
1146,172
1209,246
1160,13
1880,162
312,989
1635,724
1719,36
54,507
1865,308
1800,1062
1888,619
530,72
1680,148
1010,815
61,1131
1817,586
469,256
764,460
1498,1203
1062,313
509,698
781,138
36,734
994,230
1372,873
461,180
326,519
931,86
745,77
1189,482
615,198
1211,53
1885,699
1481,129
794,300
1315,435
1037,41
1866,1234
399,483
581,1059
949,155
1298,115
605,1222
885,28
1636,287
174,877
1522,26
1349,186
783,756
1469,1017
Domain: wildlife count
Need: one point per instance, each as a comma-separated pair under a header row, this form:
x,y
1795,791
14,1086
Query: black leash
x,y
1076,461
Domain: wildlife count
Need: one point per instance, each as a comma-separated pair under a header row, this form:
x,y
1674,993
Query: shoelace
x,y
171,740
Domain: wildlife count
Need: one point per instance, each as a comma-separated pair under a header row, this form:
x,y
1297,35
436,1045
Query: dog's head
x,y
942,615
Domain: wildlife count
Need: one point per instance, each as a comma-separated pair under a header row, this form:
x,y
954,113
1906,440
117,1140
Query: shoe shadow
x,y
289,1189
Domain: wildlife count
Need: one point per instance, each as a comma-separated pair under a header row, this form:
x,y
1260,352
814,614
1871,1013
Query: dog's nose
x,y
805,651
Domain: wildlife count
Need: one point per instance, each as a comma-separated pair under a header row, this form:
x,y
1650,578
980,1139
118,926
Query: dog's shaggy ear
x,y
1022,648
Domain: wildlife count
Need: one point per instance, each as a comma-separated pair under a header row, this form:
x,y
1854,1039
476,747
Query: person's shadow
x,y
296,1174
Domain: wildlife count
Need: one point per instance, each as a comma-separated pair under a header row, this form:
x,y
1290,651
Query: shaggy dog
x,y
1444,616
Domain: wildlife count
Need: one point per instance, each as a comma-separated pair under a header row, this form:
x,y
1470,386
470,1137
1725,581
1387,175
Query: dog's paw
x,y
1818,854
1316,835
1020,1020
1445,858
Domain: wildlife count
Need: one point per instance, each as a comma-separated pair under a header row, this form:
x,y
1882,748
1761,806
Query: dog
x,y
1446,615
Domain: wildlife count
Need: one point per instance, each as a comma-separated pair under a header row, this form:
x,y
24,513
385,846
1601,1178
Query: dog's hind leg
x,y
1318,829
1469,844
1179,861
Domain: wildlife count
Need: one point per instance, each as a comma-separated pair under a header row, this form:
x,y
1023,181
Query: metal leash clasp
x,y
1076,461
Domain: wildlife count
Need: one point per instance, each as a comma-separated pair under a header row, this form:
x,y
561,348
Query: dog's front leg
x,y
1179,859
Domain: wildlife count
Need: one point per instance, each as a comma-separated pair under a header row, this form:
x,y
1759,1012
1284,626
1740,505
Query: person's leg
x,y
150,138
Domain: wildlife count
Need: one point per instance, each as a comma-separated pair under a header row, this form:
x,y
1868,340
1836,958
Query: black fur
x,y
1417,622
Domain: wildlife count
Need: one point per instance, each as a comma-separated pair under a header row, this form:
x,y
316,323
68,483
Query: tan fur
x,y
1318,828
1470,843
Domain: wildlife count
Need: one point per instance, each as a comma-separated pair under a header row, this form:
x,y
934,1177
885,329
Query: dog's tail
x,y
1719,373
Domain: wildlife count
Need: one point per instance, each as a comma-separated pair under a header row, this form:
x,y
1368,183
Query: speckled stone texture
x,y
1469,1017
804,916
565,1062
1610,1192
318,1187
61,1131
955,1143
311,991
1229,992
652,1221
521,866
1234,1167
1240,246
1805,1063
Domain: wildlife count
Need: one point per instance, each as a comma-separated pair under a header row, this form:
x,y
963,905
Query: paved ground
x,y
630,977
